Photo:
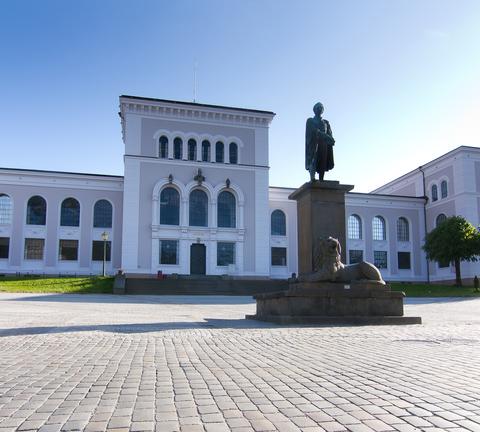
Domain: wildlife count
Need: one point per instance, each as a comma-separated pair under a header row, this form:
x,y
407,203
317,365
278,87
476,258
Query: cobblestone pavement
x,y
108,363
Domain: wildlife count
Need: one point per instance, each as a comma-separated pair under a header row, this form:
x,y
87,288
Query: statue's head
x,y
318,108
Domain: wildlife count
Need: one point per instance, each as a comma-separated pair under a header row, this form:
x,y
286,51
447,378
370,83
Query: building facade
x,y
195,199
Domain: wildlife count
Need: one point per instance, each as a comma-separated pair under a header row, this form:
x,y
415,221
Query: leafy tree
x,y
455,239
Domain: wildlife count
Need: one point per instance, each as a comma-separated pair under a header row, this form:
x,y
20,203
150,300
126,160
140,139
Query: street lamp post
x,y
104,238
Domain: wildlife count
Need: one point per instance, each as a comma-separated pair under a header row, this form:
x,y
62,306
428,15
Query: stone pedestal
x,y
333,303
320,213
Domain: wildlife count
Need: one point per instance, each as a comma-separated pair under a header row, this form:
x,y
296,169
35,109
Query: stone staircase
x,y
203,285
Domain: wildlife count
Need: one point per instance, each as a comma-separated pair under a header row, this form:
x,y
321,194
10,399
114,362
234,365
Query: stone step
x,y
203,286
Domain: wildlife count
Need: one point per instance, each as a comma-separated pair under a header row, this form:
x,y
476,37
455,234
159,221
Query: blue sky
x,y
399,79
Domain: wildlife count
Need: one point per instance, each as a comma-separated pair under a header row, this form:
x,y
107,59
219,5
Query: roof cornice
x,y
162,108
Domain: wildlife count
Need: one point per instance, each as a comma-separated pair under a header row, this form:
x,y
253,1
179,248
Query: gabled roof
x,y
427,165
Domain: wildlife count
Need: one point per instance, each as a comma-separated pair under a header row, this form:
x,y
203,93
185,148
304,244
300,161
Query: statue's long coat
x,y
322,154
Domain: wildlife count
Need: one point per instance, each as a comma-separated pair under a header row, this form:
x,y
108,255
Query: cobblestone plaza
x,y
141,363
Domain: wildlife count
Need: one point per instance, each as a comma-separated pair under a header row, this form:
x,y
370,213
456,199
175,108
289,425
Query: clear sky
x,y
399,78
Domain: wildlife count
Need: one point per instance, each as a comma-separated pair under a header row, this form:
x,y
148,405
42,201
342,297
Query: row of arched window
x,y
443,190
379,231
197,208
206,150
69,212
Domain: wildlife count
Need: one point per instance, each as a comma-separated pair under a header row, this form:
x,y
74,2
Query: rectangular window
x,y
380,259
404,261
169,252
443,264
68,250
4,247
355,256
97,250
279,256
225,253
34,249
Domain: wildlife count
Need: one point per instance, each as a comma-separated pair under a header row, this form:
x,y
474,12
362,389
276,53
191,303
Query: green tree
x,y
455,240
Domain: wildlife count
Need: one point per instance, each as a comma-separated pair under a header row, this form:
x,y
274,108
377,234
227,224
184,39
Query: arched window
x,y
233,153
205,151
354,227
36,211
163,147
177,148
378,228
444,189
198,208
70,212
278,224
434,193
6,208
440,218
192,149
219,156
226,210
403,230
169,206
102,214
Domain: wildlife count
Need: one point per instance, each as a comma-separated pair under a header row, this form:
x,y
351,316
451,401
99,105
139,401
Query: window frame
x,y
443,189
192,149
350,254
163,242
218,145
376,231
99,243
280,232
6,209
77,249
400,261
223,263
108,218
162,221
233,150
64,216
25,249
434,191
163,145
5,247
178,148
232,212
29,215
272,256
403,229
350,224
206,150
376,259
192,211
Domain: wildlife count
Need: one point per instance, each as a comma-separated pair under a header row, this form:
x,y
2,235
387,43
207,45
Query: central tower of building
x,y
195,189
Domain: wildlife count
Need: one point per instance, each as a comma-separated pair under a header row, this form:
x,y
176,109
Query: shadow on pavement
x,y
142,327
428,300
133,299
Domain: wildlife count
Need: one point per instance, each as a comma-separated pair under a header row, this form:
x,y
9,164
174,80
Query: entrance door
x,y
198,259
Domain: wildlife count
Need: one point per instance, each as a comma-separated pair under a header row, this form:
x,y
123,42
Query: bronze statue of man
x,y
318,144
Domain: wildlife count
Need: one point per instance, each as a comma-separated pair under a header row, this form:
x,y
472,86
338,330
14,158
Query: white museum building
x,y
195,199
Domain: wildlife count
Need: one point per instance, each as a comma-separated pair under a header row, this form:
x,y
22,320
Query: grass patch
x,y
71,285
425,290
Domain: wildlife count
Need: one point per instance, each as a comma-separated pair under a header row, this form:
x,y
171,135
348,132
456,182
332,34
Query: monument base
x,y
359,303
